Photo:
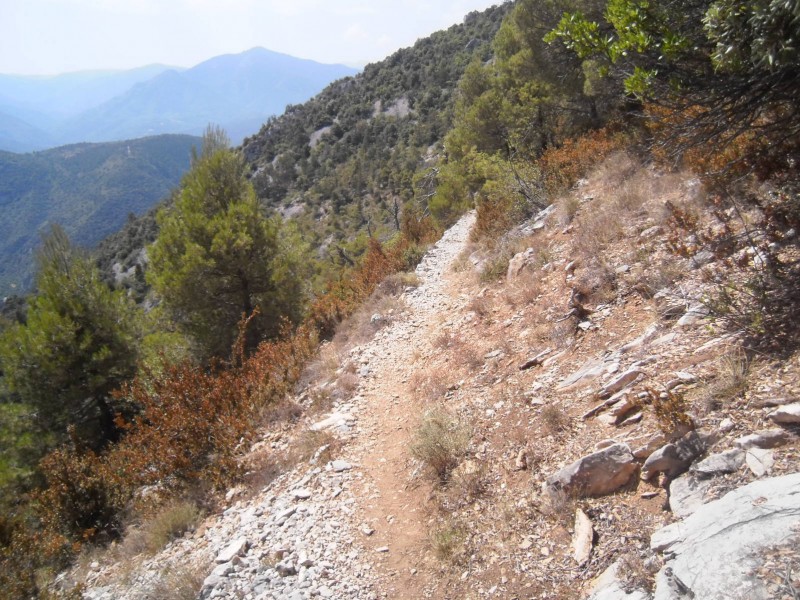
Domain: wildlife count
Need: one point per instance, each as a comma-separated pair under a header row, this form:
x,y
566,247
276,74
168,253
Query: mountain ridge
x,y
236,91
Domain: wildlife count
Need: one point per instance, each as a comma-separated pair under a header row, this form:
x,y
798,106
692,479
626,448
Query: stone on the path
x,y
767,438
729,461
237,547
302,494
714,552
335,420
687,494
760,461
788,414
676,458
582,538
382,549
340,466
596,474
216,576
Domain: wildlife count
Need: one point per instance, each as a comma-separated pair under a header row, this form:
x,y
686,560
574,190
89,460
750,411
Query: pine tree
x,y
78,344
217,257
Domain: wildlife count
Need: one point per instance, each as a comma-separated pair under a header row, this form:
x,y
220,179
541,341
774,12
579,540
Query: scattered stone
x,y
714,551
729,461
237,547
286,569
649,495
726,425
335,420
693,316
622,409
302,494
367,530
214,579
767,438
599,473
760,461
519,263
653,444
582,538
676,458
651,232
340,466
521,462
641,340
702,258
382,549
788,414
591,370
604,444
493,354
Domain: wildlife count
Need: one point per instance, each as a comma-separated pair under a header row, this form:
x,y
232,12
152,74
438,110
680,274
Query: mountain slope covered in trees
x,y
90,189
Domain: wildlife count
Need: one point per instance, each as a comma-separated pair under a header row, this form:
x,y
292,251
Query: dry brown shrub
x,y
307,444
346,385
169,523
465,354
430,385
554,419
440,442
731,379
449,542
178,583
561,167
481,305
596,282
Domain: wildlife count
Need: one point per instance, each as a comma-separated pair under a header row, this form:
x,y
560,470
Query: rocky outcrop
x,y
713,553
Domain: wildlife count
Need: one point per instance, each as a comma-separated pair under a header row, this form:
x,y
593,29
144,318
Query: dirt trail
x,y
392,503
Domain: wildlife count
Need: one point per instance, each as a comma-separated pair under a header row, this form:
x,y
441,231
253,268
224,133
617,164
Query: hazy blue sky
x,y
57,36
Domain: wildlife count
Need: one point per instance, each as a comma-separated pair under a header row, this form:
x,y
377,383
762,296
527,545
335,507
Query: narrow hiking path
x,y
393,503
353,527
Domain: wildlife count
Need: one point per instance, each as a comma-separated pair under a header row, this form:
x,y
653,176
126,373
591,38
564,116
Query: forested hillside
x,y
345,162
89,188
117,412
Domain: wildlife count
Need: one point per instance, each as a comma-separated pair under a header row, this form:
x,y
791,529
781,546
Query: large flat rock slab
x,y
712,552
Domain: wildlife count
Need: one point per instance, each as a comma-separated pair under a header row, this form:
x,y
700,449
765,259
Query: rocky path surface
x,y
347,528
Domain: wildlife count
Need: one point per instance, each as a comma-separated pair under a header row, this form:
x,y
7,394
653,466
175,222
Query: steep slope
x,y
233,91
90,189
359,513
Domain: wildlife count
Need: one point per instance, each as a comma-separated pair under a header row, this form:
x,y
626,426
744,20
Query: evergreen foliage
x,y
217,257
78,344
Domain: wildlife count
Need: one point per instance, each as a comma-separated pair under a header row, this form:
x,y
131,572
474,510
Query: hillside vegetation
x,y
90,189
581,109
